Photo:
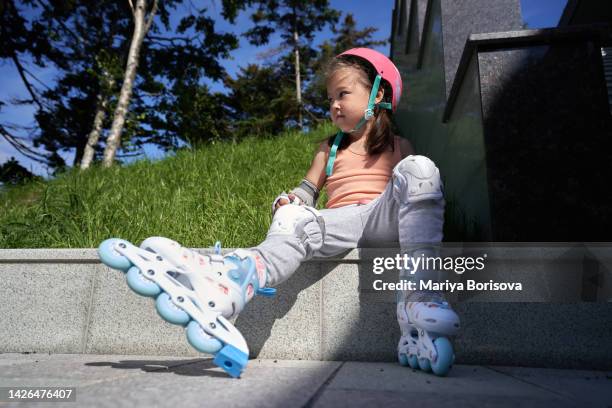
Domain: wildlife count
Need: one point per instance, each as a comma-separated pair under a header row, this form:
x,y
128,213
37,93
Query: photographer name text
x,y
447,286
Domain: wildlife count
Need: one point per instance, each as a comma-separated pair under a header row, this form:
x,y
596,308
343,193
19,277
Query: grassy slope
x,y
220,192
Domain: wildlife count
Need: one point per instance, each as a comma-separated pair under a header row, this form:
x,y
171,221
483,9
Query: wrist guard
x,y
307,192
304,194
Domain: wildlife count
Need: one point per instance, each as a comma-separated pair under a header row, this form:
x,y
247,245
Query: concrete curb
x,y
66,301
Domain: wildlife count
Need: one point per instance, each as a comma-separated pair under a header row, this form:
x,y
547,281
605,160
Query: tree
x,y
62,35
175,63
88,47
296,21
169,105
259,101
142,23
191,114
91,42
96,128
11,172
21,38
347,36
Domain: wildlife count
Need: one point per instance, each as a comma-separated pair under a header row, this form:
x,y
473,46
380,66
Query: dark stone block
x,y
460,19
548,137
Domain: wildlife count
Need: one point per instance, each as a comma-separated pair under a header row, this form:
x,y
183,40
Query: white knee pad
x,y
299,220
416,178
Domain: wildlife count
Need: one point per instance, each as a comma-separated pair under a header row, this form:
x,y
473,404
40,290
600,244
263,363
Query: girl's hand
x,y
284,201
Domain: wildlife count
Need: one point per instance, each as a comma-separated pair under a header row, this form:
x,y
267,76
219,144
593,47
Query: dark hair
x,y
381,135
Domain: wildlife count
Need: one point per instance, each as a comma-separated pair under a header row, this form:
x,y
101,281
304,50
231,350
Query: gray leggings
x,y
410,212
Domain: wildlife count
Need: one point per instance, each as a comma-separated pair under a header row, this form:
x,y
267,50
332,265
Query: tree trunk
x,y
298,85
113,142
94,135
80,148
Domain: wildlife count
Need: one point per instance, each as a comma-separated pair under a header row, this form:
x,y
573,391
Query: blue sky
x,y
537,14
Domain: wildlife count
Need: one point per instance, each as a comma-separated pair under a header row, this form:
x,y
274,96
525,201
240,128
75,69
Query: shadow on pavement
x,y
196,367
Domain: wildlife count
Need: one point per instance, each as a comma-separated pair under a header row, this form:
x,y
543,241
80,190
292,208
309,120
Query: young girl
x,y
378,194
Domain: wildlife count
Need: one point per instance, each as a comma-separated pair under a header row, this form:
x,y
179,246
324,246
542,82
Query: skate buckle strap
x,y
216,258
267,292
241,253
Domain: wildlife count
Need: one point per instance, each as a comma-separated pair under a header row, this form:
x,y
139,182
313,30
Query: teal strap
x,y
332,153
369,113
360,124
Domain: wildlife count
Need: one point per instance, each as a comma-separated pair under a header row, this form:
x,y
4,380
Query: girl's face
x,y
348,97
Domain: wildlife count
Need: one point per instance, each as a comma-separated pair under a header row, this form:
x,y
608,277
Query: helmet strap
x,y
369,112
332,153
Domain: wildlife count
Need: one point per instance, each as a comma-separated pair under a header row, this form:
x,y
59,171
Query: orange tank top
x,y
359,178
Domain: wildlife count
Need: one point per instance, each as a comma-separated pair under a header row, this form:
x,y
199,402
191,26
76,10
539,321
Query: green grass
x,y
219,192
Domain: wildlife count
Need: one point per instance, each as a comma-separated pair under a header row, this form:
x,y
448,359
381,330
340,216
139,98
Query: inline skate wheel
x,y
413,361
403,359
424,364
140,284
200,340
110,257
445,358
169,311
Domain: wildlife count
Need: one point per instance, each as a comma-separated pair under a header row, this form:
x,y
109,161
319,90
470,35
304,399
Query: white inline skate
x,y
425,320
199,292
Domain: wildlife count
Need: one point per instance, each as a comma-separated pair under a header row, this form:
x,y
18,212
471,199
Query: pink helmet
x,y
384,67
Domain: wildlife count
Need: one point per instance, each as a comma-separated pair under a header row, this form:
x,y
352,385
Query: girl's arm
x,y
316,173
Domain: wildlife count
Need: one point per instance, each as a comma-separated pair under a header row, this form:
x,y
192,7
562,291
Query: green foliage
x,y
290,18
220,192
264,97
192,114
260,101
88,47
170,105
287,16
11,172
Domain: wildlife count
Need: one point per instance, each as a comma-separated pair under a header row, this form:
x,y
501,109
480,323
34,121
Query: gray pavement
x,y
157,381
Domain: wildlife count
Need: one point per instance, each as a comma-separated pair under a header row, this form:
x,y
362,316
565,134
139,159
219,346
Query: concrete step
x,y
66,301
